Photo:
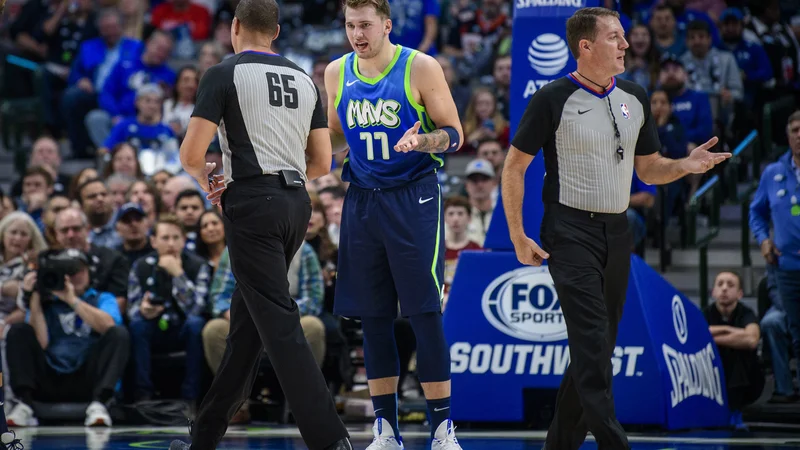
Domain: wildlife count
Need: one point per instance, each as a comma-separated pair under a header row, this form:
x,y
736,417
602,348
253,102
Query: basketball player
x,y
384,97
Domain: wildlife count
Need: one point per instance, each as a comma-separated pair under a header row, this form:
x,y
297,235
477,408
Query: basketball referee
x,y
274,138
593,129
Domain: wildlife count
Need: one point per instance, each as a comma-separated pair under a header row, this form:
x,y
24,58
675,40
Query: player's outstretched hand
x,y
701,160
410,140
529,252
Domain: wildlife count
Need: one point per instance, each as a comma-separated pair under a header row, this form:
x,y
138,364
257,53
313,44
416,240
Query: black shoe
x,y
343,444
179,445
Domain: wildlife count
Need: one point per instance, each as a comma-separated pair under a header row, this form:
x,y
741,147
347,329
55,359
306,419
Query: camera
x,y
162,284
54,265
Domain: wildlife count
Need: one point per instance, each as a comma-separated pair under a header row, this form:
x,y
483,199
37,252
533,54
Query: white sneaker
x,y
384,436
445,437
97,415
22,416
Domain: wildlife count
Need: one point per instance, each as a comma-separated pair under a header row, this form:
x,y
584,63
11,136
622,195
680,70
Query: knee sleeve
x,y
433,355
380,348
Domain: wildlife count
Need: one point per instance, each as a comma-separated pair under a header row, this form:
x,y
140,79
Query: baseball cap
x,y
731,14
669,58
480,167
150,89
130,208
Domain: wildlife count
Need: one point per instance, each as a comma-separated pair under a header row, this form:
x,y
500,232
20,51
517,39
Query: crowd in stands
x,y
149,270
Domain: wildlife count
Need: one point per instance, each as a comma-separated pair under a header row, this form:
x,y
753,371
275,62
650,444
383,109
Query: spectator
x,y
750,56
777,203
46,153
643,197
180,16
481,187
37,186
7,204
734,328
780,44
117,100
88,75
189,206
123,162
641,59
54,205
166,295
72,348
415,24
178,108
96,203
85,174
692,108
20,244
108,268
684,16
457,215
210,55
133,228
174,186
24,29
478,36
317,236
160,178
133,20
775,328
332,199
501,81
118,187
461,93
491,150
483,120
145,195
211,244
667,39
672,136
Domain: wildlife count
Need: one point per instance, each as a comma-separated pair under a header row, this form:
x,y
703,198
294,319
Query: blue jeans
x,y
776,333
75,105
789,289
147,338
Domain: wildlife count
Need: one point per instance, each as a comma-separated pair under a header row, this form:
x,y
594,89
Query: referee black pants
x,y
265,225
589,262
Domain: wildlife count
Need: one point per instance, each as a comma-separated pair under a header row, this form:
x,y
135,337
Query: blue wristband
x,y
455,141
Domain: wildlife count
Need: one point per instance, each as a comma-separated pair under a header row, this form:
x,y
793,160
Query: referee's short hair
x,y
583,25
260,16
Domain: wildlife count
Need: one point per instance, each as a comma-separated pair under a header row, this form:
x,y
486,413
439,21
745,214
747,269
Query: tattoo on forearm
x,y
436,141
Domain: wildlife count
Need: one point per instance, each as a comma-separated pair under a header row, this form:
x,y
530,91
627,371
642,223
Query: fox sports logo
x,y
523,304
548,54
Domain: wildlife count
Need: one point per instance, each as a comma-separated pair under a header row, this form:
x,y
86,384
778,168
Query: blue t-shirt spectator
x,y
156,144
408,22
673,138
95,60
70,338
118,97
693,109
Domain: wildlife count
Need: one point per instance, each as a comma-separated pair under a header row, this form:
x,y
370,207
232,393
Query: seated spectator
x,y
46,154
23,31
305,287
317,236
457,214
641,59
174,186
501,84
118,186
124,161
211,54
416,25
72,348
133,228
491,150
90,70
178,17
643,197
54,205
776,205
37,187
108,268
189,206
750,56
156,143
211,244
166,297
145,195
461,93
766,27
684,16
478,35
734,328
178,108
481,185
96,204
160,178
483,121
332,199
134,25
7,204
85,174
117,100
20,243
775,329
672,136
667,40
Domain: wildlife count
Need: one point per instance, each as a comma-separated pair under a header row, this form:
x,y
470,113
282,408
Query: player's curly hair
x,y
381,6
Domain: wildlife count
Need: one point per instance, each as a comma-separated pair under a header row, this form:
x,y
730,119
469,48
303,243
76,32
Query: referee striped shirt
x,y
265,107
574,126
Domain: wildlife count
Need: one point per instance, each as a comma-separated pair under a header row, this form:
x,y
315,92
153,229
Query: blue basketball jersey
x,y
375,113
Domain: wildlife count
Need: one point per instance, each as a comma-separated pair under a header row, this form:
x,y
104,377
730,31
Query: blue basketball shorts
x,y
391,251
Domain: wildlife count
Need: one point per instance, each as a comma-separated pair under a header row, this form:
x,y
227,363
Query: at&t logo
x,y
548,55
679,320
523,304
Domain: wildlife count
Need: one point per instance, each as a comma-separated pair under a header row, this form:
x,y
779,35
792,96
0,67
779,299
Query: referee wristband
x,y
455,141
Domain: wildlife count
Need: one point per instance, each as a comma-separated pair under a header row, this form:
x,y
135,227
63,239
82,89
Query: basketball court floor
x,y
416,438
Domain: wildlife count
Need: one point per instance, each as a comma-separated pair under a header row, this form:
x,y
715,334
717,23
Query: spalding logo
x,y
523,304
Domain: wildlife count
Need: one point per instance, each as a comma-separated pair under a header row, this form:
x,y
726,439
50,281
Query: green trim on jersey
x,y
383,74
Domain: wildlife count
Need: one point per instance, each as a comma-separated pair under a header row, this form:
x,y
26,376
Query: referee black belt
x,y
582,215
